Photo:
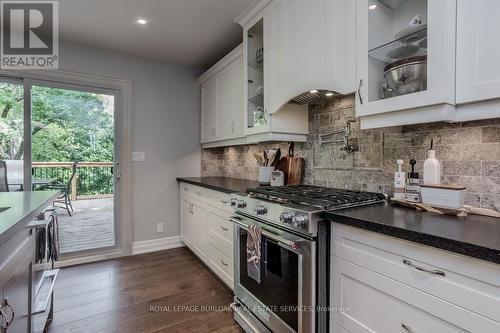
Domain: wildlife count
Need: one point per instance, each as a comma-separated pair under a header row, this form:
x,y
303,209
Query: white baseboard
x,y
157,245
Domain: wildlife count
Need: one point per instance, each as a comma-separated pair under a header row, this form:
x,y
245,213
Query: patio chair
x,y
15,171
64,200
4,186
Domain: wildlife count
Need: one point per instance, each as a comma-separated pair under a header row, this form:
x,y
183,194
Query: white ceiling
x,y
188,32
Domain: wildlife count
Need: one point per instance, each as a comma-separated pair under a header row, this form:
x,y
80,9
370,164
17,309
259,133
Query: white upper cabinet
x,y
405,61
268,117
230,97
319,52
222,101
274,55
478,51
209,110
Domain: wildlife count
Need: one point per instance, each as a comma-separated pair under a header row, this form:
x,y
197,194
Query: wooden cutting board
x,y
293,168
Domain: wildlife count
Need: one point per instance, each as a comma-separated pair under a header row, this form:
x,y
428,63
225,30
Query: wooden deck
x,y
89,227
168,291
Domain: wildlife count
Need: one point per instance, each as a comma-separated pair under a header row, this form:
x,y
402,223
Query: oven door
x,y
284,300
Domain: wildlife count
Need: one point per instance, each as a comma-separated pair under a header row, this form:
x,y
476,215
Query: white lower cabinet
x,y
200,224
389,285
206,230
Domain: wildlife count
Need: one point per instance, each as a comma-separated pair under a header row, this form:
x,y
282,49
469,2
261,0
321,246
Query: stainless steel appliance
x,y
45,228
293,294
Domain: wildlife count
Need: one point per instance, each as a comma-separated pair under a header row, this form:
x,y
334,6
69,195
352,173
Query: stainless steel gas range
x,y
293,292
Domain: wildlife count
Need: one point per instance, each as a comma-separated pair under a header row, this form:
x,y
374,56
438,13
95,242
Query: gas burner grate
x,y
322,197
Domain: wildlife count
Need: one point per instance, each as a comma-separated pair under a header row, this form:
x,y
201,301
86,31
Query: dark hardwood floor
x,y
168,291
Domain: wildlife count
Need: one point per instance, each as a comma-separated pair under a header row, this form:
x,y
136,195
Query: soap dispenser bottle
x,y
432,167
413,185
399,182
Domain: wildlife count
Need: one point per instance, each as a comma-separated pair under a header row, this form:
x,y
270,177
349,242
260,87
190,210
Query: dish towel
x,y
254,252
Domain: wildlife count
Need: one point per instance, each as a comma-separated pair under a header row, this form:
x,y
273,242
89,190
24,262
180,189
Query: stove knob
x,y
232,202
260,210
286,217
241,203
300,221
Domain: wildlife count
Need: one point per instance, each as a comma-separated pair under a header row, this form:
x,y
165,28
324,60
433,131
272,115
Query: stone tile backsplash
x,y
469,152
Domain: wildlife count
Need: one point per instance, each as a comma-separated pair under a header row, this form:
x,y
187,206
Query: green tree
x,y
67,125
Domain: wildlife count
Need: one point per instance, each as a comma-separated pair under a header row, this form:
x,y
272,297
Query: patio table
x,y
35,182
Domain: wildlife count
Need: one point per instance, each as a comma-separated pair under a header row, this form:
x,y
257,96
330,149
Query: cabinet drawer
x,y
471,284
378,304
214,198
222,265
219,224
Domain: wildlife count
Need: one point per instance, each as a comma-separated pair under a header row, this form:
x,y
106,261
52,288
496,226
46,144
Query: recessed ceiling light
x,y
313,91
372,7
329,94
142,21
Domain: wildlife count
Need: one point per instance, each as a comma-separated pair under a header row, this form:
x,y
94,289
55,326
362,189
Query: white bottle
x,y
432,167
399,182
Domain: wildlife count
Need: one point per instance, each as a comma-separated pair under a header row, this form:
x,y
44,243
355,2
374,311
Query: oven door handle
x,y
292,243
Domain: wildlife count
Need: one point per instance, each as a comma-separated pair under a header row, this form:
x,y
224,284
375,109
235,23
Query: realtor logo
x,y
30,35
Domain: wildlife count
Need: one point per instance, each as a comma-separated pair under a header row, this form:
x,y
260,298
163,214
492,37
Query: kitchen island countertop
x,y
23,206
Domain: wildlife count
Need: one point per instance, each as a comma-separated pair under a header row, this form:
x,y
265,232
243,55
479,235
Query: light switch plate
x,y
138,156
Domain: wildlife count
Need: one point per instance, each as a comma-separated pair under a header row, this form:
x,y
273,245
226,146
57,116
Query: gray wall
x,y
166,120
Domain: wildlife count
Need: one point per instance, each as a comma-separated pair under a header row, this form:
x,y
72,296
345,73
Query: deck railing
x,y
92,180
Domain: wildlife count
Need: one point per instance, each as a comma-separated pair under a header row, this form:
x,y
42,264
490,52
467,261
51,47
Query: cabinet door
x,y
230,109
187,221
402,67
17,297
254,60
209,110
200,229
320,46
478,52
274,65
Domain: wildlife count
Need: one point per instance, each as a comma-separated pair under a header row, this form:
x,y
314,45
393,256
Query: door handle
x,y
359,91
116,171
293,244
406,328
8,322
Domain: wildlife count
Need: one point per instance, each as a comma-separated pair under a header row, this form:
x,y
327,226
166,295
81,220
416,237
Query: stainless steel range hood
x,y
315,96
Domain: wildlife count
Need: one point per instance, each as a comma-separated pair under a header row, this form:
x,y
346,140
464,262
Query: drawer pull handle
x,y
185,189
224,201
406,327
199,193
433,272
223,263
224,228
4,315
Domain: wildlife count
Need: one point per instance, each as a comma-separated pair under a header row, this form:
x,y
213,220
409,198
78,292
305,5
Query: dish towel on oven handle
x,y
254,242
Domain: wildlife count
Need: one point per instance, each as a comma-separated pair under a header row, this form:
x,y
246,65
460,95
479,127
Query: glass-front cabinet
x,y
256,117
406,54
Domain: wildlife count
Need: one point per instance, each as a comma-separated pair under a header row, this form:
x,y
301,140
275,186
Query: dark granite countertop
x,y
22,206
474,236
222,184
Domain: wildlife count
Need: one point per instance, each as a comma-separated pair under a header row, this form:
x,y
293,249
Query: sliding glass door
x,y
62,136
12,131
